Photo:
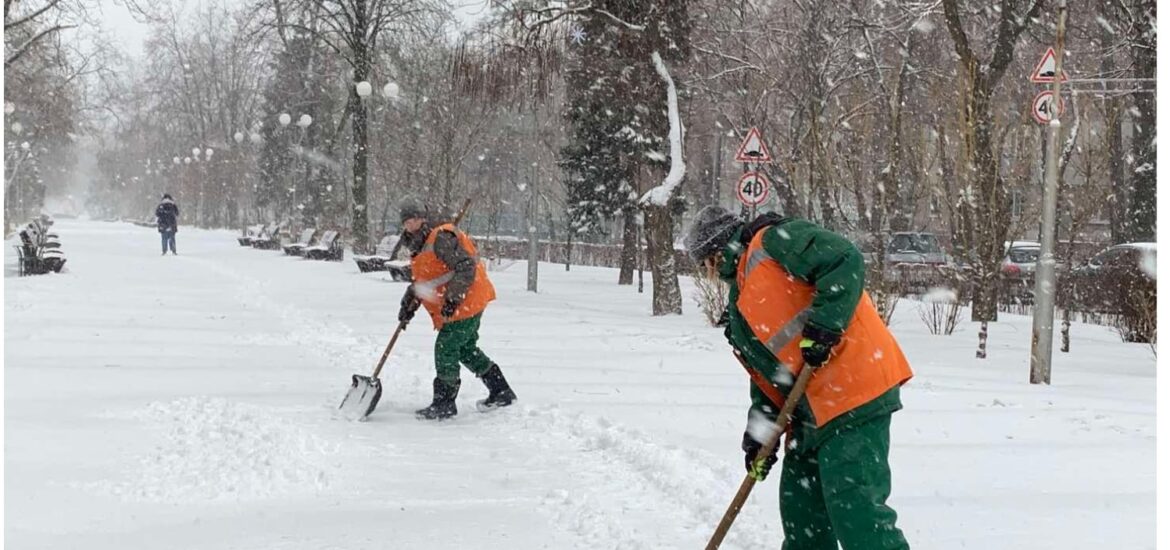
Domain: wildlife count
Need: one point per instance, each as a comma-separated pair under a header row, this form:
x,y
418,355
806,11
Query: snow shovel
x,y
365,391
745,488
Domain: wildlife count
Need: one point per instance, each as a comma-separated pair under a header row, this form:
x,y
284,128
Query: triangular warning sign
x,y
753,148
1045,71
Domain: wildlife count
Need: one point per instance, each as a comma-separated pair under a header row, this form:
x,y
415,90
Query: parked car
x,y
1124,258
1117,279
1020,260
915,248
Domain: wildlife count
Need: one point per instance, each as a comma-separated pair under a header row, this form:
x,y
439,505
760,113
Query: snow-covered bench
x,y
270,238
250,233
328,248
383,253
399,269
39,251
298,248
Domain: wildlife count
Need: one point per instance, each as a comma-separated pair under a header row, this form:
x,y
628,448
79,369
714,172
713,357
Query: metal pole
x,y
533,245
1042,320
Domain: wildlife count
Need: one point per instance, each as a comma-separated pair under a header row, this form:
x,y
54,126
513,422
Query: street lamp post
x,y
238,155
199,192
303,123
285,119
207,153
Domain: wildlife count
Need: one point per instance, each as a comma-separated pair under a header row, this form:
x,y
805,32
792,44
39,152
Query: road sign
x,y
752,189
1042,107
753,148
1045,71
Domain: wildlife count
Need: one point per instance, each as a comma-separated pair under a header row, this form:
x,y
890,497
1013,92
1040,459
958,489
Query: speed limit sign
x,y
1042,106
752,189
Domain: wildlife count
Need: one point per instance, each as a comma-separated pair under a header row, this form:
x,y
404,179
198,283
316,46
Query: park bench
x,y
39,251
399,269
328,248
298,248
382,253
250,233
270,238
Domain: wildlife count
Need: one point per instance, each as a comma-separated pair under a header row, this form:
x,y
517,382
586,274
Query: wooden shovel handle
x,y
389,346
462,212
745,487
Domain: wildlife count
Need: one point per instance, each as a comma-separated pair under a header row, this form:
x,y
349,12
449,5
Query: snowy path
x,y
190,400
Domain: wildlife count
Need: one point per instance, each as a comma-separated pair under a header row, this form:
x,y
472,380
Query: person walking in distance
x,y
797,301
454,287
168,222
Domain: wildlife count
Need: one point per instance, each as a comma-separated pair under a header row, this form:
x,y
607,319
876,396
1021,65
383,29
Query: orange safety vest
x,y
865,364
431,276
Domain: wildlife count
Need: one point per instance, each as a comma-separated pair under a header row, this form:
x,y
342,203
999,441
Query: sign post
x,y
1045,290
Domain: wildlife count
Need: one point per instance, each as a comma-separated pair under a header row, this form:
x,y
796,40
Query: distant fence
x,y
588,254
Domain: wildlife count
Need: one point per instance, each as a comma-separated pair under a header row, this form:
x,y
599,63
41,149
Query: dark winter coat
x,y
168,216
449,251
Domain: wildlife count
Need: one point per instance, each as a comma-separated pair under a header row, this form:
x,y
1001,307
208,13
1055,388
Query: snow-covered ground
x,y
189,402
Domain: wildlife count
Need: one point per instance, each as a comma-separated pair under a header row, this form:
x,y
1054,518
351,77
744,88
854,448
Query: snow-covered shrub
x,y
1137,320
940,310
711,296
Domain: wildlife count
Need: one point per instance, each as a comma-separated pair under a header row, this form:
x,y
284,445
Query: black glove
x,y
724,319
449,307
817,345
759,470
409,306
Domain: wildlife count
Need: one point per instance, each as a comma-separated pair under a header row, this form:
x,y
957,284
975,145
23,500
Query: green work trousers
x,y
836,493
456,344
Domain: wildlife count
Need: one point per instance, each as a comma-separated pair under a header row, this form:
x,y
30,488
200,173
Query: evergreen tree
x,y
293,181
617,121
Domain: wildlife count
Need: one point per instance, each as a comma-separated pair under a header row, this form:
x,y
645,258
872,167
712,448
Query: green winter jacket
x,y
836,268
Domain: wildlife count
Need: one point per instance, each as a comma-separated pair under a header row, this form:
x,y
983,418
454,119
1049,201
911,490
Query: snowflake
x,y
577,35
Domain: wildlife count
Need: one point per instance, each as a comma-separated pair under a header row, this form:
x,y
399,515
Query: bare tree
x,y
985,209
353,29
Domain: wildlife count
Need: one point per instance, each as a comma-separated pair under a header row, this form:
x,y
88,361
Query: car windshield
x,y
1024,255
914,242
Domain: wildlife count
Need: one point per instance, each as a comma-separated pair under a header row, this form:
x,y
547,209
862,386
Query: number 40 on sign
x,y
1042,107
752,189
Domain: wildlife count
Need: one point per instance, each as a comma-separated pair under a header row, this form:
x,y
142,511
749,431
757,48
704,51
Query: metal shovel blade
x,y
362,398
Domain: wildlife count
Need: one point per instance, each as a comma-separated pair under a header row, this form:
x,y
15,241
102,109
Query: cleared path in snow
x,y
190,400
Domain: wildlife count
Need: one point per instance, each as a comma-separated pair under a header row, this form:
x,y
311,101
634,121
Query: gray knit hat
x,y
410,209
710,231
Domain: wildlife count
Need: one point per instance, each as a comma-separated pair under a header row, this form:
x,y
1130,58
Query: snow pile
x,y
218,450
633,471
940,295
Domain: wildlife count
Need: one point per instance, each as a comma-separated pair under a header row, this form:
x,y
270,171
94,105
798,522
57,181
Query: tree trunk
x,y
361,72
629,256
717,174
360,175
533,257
1143,208
660,239
991,199
1118,198
569,246
1116,202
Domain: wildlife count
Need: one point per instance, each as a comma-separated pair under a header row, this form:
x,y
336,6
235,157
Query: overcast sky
x,y
130,34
